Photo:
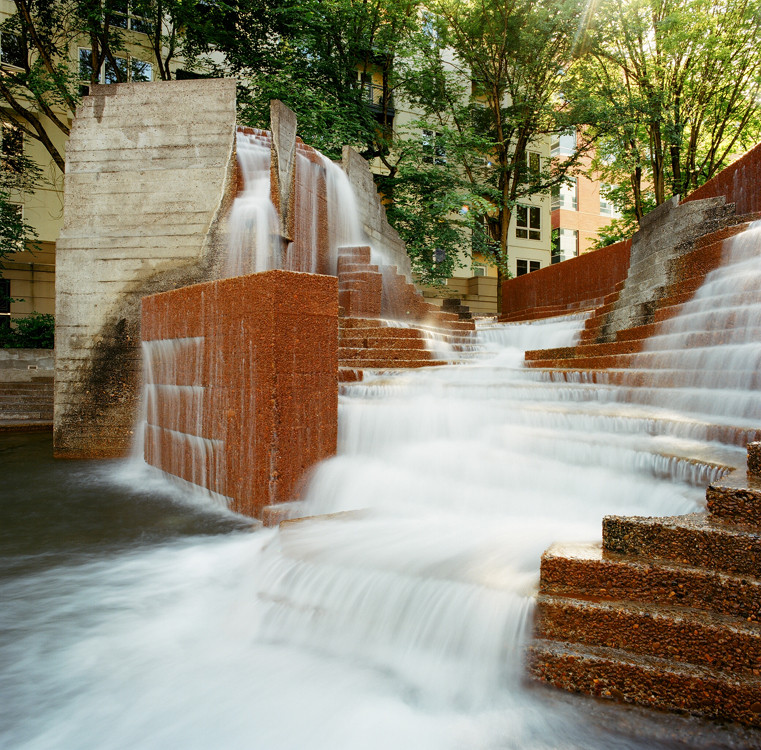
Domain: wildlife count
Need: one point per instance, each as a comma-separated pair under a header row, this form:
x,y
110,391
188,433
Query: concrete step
x,y
399,364
583,571
726,644
735,499
691,539
647,681
386,342
352,357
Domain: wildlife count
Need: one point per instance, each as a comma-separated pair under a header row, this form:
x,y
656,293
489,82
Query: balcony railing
x,y
373,95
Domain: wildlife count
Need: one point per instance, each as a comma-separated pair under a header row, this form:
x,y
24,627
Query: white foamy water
x,y
253,224
398,622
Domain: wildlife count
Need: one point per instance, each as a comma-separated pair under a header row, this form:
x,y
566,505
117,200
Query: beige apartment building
x,y
29,277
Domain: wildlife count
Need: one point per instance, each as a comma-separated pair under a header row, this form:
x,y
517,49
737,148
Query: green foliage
x,y
35,331
671,87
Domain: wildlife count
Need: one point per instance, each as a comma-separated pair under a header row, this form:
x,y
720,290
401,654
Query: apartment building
x,y
27,282
579,206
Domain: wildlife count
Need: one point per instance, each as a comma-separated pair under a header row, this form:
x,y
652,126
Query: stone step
x,y
736,498
647,681
359,322
638,332
378,333
586,350
583,571
349,356
375,344
691,539
349,375
399,364
726,644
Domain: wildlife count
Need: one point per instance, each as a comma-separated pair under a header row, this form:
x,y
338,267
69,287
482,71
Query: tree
x,y
672,89
495,96
40,82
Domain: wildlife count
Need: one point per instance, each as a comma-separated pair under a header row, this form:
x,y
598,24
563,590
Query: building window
x,y
5,303
526,266
433,148
123,18
12,51
567,245
566,195
606,206
12,147
479,269
529,222
563,144
130,68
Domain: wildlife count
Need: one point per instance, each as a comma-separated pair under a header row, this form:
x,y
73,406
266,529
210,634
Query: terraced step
x,y
355,356
646,681
735,499
583,571
408,343
691,539
729,644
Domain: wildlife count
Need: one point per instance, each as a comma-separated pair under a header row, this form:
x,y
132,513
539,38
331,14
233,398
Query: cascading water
x,y
253,222
397,623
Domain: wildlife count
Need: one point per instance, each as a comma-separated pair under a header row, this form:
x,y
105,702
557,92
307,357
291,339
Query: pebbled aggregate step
x,y
728,643
692,539
585,571
648,681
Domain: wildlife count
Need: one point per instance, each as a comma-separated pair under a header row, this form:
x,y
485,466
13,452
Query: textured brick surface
x,y
738,182
268,373
574,281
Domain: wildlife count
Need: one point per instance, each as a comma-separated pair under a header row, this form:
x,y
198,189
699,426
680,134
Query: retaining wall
x,y
575,283
242,390
149,167
738,183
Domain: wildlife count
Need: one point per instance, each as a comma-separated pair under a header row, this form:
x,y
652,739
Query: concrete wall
x,y
149,172
738,183
24,365
380,234
572,283
261,352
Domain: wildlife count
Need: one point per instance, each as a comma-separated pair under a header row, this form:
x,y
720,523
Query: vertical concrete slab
x,y
150,169
282,169
257,356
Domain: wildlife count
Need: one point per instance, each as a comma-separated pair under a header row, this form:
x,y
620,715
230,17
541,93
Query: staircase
x,y
600,349
26,405
385,323
665,613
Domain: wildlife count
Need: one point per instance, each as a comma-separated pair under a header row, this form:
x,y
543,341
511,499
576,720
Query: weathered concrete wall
x,y
243,387
738,183
666,234
573,283
149,168
380,234
24,365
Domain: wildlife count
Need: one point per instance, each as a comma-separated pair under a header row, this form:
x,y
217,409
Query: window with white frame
x,y
124,17
130,69
528,222
434,151
566,195
479,269
568,243
563,143
606,205
522,267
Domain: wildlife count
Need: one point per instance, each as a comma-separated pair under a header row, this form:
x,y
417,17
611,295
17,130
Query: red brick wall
x,y
739,182
570,283
260,353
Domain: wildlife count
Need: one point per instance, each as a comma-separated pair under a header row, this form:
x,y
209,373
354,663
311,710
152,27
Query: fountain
x,y
395,607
